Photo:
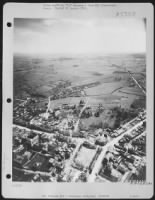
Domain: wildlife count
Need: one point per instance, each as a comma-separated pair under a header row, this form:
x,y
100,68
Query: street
x,y
105,148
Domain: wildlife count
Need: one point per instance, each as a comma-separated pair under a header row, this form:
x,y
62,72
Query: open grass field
x,y
85,156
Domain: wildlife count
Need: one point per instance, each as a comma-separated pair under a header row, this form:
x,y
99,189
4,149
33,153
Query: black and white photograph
x,y
80,93
79,104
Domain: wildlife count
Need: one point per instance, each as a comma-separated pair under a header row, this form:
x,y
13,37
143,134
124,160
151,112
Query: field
x,y
40,75
85,156
99,122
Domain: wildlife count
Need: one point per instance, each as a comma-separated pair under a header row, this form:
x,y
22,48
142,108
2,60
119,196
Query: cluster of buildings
x,y
64,89
26,110
127,158
44,154
33,114
135,142
48,147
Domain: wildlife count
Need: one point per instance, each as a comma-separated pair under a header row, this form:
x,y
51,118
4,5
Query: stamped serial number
x,y
125,14
140,182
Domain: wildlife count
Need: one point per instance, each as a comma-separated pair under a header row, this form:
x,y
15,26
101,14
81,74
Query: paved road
x,y
77,123
33,172
36,131
20,99
105,148
101,156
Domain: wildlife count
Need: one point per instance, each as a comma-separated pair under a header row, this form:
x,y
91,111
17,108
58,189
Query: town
x,y
50,144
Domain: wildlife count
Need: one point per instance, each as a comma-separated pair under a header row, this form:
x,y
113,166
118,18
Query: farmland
x,y
43,76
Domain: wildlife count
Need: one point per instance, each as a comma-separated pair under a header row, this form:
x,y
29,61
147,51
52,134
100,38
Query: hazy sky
x,y
73,35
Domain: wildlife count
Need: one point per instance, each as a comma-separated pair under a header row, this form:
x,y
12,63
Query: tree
x,y
107,170
97,114
104,162
106,125
83,177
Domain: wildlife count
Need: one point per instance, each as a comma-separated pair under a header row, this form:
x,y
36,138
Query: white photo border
x,y
72,190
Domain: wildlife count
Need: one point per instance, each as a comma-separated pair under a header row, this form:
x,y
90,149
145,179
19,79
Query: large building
x,y
32,138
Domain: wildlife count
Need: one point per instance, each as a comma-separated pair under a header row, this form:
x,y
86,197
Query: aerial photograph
x,y
79,100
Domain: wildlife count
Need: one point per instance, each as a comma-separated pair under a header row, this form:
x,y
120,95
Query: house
x,y
32,138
